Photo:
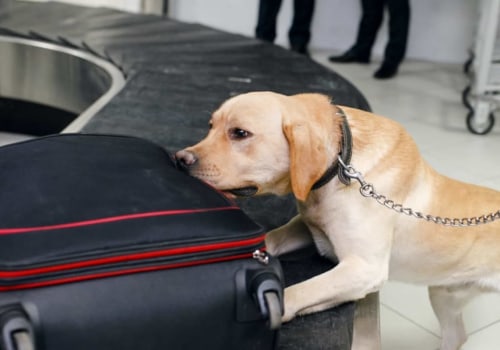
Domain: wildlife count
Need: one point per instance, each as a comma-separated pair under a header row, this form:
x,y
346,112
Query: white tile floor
x,y
426,99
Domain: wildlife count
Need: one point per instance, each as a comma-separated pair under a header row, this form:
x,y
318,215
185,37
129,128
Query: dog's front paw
x,y
290,305
288,316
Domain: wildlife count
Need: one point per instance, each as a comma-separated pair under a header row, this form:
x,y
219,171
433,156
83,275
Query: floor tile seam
x,y
400,314
457,156
482,328
453,136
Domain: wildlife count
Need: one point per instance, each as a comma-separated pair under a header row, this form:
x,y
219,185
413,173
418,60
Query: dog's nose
x,y
185,159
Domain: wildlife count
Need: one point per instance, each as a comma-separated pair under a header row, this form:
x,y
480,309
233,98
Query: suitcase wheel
x,y
273,309
23,341
16,330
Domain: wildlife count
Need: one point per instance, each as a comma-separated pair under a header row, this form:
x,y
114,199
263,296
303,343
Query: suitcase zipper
x,y
261,256
124,264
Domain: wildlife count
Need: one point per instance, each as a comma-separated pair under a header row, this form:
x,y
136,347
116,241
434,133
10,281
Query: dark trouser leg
x,y
373,14
300,31
399,19
266,22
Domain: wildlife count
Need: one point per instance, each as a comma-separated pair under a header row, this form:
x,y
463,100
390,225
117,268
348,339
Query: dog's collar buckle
x,y
345,155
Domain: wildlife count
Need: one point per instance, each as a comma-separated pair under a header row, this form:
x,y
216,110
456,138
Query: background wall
x,y
440,30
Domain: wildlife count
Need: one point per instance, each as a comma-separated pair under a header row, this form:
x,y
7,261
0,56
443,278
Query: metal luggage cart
x,y
482,95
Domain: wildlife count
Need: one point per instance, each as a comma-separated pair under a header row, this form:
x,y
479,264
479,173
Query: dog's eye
x,y
239,134
210,124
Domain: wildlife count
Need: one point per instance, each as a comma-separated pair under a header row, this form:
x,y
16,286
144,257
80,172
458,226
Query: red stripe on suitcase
x,y
213,247
11,231
121,272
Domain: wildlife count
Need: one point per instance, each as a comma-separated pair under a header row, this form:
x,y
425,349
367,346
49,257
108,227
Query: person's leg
x,y
399,19
300,30
373,14
371,19
266,22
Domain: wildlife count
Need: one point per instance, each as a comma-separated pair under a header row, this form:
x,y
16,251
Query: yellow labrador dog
x,y
264,142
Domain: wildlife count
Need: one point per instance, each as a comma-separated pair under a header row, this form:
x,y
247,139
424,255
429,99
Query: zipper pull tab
x,y
261,257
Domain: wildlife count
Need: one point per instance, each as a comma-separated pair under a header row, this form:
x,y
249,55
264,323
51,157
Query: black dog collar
x,y
345,154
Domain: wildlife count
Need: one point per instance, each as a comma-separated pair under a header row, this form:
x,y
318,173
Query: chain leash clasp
x,y
366,189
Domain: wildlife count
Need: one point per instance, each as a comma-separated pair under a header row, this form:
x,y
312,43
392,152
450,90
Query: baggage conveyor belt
x,y
175,75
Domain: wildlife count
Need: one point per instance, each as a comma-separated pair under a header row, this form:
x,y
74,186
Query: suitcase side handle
x,y
16,329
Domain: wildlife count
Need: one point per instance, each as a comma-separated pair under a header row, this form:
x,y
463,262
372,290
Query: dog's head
x,y
264,142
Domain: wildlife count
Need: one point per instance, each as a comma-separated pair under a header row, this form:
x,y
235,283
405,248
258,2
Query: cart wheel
x,y
481,129
274,309
23,341
466,97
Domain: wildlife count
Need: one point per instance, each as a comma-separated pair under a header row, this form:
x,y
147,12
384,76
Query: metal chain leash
x,y
368,190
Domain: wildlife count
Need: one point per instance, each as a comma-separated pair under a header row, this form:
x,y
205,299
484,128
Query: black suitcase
x,y
105,245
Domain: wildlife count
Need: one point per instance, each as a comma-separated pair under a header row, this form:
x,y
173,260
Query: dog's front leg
x,y
352,279
289,237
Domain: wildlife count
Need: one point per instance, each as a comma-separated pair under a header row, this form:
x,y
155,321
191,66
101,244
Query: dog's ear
x,y
308,153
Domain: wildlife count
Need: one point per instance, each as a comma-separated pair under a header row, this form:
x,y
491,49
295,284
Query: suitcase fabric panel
x,y
90,206
84,177
185,308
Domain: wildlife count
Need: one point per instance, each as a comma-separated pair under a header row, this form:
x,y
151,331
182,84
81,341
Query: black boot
x,y
386,71
300,49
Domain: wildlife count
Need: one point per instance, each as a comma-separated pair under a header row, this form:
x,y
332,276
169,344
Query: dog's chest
x,y
317,225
